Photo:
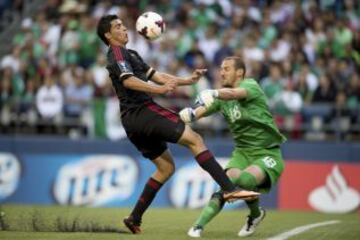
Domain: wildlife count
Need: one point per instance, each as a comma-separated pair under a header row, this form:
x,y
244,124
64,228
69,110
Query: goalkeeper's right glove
x,y
187,115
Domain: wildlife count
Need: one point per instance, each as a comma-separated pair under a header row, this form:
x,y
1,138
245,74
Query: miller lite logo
x,y
96,180
10,172
336,196
192,187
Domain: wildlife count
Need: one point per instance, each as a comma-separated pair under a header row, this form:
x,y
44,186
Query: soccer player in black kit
x,y
148,125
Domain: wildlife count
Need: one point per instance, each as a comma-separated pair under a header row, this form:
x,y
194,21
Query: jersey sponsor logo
x,y
336,196
96,180
192,187
269,162
235,113
10,172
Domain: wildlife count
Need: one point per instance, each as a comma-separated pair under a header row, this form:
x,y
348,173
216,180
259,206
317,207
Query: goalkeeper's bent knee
x,y
246,181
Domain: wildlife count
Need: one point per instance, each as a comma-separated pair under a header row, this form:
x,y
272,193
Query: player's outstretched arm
x,y
134,83
207,97
162,78
232,93
189,114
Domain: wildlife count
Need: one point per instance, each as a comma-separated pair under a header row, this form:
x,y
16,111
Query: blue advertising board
x,y
105,180
113,174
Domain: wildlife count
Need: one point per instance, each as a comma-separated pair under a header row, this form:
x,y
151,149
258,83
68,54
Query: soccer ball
x,y
150,25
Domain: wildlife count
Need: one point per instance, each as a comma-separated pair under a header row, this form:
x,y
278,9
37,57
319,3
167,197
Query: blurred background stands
x,y
305,55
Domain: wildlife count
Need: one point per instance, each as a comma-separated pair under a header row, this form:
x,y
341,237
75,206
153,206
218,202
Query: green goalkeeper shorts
x,y
269,160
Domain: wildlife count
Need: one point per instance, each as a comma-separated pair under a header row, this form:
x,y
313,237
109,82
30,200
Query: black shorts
x,y
150,126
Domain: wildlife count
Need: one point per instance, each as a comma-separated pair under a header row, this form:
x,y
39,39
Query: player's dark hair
x,y
104,26
238,63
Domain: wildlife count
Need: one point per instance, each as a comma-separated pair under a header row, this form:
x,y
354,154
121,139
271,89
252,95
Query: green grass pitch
x,y
53,222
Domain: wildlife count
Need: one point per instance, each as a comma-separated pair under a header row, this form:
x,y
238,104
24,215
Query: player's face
x,y
118,33
228,73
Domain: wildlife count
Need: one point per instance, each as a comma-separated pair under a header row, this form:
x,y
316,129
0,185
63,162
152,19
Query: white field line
x,y
301,229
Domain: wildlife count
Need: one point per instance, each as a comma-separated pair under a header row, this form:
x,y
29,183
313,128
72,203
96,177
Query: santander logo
x,y
335,196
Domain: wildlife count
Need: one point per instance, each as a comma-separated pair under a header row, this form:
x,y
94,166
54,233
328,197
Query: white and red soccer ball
x,y
150,25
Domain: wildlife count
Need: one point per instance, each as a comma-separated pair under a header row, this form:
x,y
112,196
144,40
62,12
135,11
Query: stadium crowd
x,y
305,54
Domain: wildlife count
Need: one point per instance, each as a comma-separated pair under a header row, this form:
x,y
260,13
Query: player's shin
x,y
248,182
207,162
147,196
254,207
214,206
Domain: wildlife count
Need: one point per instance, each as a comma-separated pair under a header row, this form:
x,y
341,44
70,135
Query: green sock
x,y
210,210
248,182
254,208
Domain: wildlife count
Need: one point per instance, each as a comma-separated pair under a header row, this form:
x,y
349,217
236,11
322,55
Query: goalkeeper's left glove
x,y
187,115
207,97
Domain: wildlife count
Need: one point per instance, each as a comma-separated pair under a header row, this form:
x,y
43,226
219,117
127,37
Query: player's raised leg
x,y
207,161
165,168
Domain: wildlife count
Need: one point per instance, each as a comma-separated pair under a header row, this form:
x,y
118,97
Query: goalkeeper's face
x,y
228,73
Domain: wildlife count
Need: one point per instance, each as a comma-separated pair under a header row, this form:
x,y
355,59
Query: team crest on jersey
x,y
124,67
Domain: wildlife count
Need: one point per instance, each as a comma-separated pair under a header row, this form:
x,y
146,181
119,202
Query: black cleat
x,y
133,226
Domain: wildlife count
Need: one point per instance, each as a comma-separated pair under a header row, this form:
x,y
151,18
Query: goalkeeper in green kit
x,y
256,162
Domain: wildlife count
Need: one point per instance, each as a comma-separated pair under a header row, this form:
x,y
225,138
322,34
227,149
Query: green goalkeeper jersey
x,y
249,119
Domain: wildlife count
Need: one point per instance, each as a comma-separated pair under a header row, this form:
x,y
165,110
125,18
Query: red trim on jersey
x,y
204,156
117,52
162,111
154,184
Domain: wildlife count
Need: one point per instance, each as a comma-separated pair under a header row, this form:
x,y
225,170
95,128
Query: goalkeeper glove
x,y
207,97
187,115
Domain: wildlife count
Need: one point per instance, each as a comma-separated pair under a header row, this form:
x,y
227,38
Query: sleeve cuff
x,y
150,73
124,76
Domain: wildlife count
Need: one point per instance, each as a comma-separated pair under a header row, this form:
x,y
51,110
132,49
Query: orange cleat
x,y
240,195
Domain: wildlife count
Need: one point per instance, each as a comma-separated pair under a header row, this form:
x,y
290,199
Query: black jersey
x,y
123,63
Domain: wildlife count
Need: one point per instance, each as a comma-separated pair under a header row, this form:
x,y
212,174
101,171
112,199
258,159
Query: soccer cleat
x,y
240,195
133,226
251,224
195,231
